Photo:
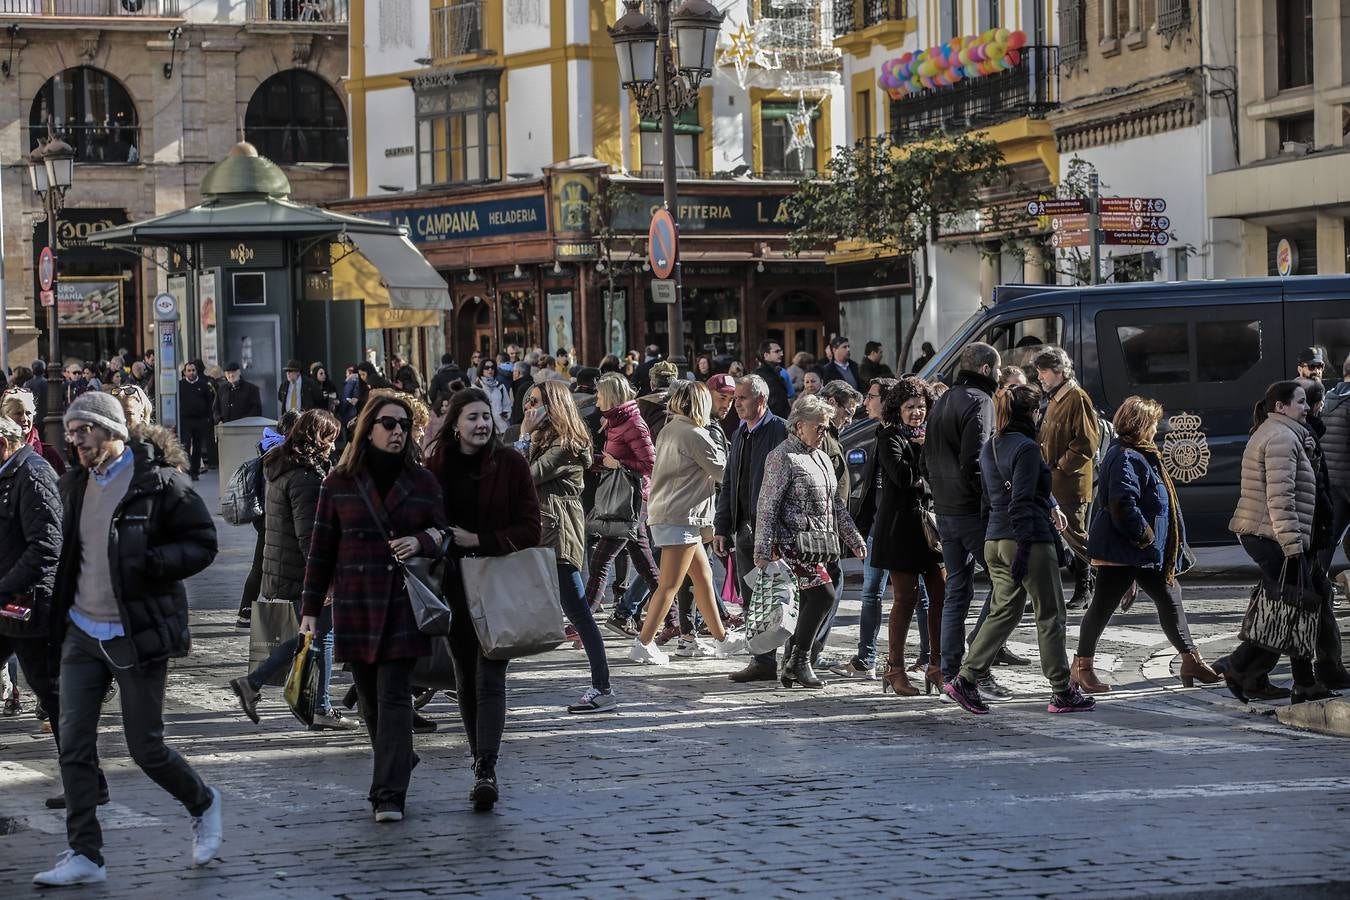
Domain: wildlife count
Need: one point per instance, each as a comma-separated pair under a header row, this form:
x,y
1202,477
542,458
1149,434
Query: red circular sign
x,y
46,269
662,243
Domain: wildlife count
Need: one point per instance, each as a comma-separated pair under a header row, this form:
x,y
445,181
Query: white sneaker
x,y
71,868
206,832
649,654
729,646
691,647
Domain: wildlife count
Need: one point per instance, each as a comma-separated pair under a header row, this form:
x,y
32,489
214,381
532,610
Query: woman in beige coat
x,y
1274,524
689,465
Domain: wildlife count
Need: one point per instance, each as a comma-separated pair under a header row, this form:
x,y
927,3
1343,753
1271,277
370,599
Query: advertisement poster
x,y
616,314
89,302
255,343
559,310
206,317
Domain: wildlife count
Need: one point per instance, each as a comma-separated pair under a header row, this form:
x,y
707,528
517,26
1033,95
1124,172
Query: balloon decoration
x,y
971,56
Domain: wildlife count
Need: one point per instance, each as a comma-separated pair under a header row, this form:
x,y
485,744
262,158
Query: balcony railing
x,y
333,12
1031,88
456,29
1174,17
78,9
855,15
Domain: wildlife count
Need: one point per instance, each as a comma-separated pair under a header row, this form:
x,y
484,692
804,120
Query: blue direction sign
x,y
662,244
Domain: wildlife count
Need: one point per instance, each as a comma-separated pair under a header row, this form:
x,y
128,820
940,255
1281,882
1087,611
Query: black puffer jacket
x,y
292,497
30,538
161,534
961,422
1336,443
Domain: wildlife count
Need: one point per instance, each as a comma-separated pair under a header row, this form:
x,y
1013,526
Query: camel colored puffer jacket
x,y
1279,489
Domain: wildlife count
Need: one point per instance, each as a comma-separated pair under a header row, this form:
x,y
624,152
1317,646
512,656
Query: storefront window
x,y
515,312
687,132
90,111
295,117
711,320
777,137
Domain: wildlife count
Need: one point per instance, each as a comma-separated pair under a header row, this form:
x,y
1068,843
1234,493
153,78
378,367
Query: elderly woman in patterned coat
x,y
377,506
800,507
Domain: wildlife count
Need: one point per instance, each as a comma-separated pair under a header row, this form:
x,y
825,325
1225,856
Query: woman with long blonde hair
x,y
558,447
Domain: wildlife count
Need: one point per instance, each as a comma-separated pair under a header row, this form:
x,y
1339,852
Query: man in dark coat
x,y
196,401
1336,448
38,385
872,366
654,406
237,398
760,431
445,376
133,530
839,365
770,358
642,376
298,391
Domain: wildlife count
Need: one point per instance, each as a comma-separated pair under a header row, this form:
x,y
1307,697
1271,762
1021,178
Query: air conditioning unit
x,y
1295,148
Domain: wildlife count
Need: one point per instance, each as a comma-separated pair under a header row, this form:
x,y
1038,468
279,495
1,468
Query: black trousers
x,y
385,694
253,583
1253,662
196,433
87,666
812,609
481,685
1112,583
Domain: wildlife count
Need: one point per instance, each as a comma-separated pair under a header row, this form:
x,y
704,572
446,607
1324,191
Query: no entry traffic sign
x,y
46,269
662,244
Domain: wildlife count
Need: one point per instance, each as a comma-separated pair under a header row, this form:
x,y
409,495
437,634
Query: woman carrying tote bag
x,y
373,625
493,510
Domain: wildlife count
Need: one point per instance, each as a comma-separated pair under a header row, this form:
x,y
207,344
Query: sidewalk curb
x,y
1323,716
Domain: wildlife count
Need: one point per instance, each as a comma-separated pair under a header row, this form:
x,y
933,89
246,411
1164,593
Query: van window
x,y
1333,336
1162,352
1018,342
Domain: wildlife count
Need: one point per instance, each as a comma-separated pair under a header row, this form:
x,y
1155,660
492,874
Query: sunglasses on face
x,y
125,390
389,423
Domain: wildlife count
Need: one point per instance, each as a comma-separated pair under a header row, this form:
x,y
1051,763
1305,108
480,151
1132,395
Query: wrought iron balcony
x,y
456,29
331,12
855,15
1030,88
92,9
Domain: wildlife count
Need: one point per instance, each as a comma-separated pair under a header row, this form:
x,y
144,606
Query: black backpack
x,y
241,498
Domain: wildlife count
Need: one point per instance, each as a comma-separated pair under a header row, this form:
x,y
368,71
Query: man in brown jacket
x,y
1069,437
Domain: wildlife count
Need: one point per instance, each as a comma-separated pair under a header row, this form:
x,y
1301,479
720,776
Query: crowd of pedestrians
x,y
727,473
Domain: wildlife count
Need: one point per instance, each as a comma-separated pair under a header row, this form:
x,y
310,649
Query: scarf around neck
x,y
1172,549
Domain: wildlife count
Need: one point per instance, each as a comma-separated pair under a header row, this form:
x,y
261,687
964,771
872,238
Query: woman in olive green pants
x,y
1020,552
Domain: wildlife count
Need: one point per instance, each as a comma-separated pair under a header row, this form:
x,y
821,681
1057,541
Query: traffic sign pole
x,y
1094,222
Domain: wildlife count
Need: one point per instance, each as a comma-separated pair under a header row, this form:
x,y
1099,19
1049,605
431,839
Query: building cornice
x,y
1141,110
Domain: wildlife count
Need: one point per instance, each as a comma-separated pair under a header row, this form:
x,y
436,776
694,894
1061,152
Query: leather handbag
x,y
1283,617
614,509
817,546
513,602
928,519
421,577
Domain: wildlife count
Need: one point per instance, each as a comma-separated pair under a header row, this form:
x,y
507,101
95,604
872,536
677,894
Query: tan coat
x,y
1068,439
1279,488
689,465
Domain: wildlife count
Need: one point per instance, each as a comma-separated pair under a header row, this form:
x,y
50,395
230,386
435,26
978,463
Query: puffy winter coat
x,y
689,465
291,503
161,534
1336,442
30,538
628,440
558,475
1279,487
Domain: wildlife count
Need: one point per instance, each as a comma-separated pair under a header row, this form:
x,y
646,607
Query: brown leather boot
x,y
1194,667
896,681
1081,674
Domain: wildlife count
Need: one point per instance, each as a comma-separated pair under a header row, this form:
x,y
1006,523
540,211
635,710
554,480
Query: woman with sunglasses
x,y
498,396
377,507
558,446
492,508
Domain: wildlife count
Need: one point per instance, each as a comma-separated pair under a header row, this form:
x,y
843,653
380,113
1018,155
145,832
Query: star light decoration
x,y
799,123
743,52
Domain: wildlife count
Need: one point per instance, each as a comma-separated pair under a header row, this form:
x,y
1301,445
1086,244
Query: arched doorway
x,y
473,328
517,309
296,117
794,320
90,111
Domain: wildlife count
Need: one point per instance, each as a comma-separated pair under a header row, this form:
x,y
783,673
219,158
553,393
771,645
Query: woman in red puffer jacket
x,y
628,445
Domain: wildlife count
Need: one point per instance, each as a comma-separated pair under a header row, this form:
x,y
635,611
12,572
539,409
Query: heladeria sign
x,y
465,221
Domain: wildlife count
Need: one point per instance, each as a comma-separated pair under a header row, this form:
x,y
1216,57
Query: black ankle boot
x,y
1334,676
798,669
1304,693
484,793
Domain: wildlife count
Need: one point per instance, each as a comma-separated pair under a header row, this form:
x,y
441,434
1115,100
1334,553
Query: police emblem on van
x,y
1185,450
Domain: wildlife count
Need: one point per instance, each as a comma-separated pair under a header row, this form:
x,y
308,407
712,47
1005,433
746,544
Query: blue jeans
x,y
869,624
284,655
962,547
578,612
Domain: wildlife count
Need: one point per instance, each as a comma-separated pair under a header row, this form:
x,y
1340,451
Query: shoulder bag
x,y
421,577
618,500
1283,617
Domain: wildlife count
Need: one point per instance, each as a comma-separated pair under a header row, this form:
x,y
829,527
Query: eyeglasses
x,y
78,432
389,423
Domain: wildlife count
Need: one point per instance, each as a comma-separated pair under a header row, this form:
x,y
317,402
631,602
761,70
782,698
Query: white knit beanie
x,y
98,408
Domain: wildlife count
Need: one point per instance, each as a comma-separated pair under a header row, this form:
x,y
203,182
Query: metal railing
x,y
855,15
1174,17
1031,88
333,12
103,9
456,29
1072,31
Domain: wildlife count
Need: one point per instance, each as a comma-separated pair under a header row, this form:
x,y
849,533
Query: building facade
x,y
149,93
1288,189
500,134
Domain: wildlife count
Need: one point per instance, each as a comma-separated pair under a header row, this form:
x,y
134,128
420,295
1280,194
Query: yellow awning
x,y
355,277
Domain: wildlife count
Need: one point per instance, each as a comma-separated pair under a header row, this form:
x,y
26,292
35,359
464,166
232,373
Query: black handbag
x,y
928,519
421,577
436,670
1283,617
615,507
817,546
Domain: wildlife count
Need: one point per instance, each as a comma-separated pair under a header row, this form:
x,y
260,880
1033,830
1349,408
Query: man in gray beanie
x,y
133,529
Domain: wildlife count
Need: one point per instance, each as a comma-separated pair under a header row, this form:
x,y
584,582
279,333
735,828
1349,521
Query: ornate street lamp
x,y
51,170
665,83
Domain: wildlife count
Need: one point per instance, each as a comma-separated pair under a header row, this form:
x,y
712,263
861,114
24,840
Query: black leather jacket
x,y
961,422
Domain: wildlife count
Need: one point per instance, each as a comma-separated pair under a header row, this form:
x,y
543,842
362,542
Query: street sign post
x,y
1134,222
46,269
662,244
663,290
1091,222
1074,238
1136,205
1135,238
1057,207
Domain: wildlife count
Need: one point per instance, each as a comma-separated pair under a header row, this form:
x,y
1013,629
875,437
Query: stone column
x,y
1330,244
1033,266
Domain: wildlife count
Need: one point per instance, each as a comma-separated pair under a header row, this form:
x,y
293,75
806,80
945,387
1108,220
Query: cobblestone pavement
x,y
702,788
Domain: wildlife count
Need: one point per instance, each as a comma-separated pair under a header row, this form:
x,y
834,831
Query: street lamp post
x,y
665,83
51,168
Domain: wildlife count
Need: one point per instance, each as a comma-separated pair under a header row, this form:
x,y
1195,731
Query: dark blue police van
x,y
1206,350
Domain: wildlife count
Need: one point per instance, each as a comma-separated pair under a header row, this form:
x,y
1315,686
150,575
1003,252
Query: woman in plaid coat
x,y
377,506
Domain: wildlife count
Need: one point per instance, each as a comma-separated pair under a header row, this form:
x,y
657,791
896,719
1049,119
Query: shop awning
x,y
404,272
356,277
